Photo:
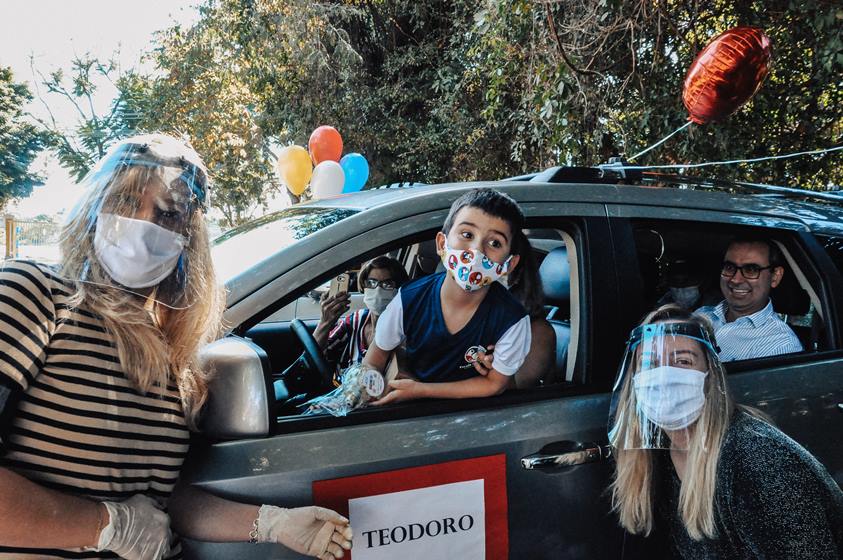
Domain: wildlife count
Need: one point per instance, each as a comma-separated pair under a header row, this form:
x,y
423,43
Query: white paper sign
x,y
440,522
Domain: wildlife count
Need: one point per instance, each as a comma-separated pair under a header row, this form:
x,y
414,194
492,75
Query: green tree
x,y
435,90
79,147
188,96
438,90
20,141
591,78
199,91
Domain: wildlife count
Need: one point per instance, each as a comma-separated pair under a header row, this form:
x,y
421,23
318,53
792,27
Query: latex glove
x,y
311,530
137,529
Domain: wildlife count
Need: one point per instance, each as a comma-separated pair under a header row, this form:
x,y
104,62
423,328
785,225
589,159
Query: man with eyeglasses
x,y
745,324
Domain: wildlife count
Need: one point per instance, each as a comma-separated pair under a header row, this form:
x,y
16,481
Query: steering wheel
x,y
313,356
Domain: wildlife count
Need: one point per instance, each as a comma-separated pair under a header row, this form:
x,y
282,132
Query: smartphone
x,y
338,285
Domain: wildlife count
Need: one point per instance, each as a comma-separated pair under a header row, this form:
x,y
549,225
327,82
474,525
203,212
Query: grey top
x,y
773,500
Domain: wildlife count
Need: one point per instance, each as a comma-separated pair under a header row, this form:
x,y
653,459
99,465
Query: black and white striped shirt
x,y
80,426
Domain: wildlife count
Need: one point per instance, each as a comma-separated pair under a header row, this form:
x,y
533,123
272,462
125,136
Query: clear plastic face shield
x,y
660,392
135,226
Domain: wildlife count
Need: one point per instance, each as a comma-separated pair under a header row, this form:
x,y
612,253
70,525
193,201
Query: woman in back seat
x,y
346,339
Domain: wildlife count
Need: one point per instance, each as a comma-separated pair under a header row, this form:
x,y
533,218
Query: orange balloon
x,y
325,145
726,74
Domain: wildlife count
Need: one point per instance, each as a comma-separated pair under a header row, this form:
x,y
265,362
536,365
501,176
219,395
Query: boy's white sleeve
x,y
512,348
390,330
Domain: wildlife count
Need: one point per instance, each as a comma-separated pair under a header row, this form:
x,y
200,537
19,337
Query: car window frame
x,y
580,385
804,248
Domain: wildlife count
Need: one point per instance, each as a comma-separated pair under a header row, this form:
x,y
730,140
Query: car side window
x,y
834,248
549,303
675,267
551,314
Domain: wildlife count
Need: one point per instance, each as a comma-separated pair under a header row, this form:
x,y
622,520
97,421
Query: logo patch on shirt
x,y
471,355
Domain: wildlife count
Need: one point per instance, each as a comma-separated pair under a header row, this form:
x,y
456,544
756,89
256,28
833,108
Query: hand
x,y
137,529
311,530
483,365
333,307
402,390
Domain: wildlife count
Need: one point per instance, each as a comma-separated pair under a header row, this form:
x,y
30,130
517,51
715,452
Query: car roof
x,y
821,212
677,200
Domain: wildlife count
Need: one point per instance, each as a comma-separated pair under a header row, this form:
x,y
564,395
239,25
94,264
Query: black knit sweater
x,y
773,499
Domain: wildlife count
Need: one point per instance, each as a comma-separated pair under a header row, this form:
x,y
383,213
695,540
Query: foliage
x,y
458,90
20,141
448,90
579,81
83,145
386,74
200,92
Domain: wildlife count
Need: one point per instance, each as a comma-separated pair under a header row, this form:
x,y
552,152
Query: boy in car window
x,y
447,321
744,322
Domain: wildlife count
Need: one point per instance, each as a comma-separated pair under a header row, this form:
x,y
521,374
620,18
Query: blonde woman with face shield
x,y
100,381
711,476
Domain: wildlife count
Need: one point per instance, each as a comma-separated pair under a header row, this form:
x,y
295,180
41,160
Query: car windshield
x,y
243,247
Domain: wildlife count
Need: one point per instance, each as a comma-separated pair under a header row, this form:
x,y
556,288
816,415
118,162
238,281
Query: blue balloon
x,y
356,172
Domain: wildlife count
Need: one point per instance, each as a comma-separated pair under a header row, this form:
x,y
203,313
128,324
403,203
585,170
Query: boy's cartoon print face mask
x,y
472,269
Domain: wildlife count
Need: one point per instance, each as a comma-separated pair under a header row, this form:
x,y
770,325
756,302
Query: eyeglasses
x,y
748,271
372,283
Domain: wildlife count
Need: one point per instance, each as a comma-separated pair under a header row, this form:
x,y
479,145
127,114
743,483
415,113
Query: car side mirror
x,y
238,403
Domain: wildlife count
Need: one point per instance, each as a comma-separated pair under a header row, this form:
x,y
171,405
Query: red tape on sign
x,y
336,493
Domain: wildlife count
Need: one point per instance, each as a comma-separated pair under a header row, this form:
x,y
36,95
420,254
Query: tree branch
x,y
552,26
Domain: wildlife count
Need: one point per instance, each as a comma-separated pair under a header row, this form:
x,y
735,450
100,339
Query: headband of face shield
x,y
660,392
140,201
154,156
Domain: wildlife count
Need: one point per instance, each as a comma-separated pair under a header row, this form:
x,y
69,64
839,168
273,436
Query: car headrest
x,y
555,274
427,260
789,297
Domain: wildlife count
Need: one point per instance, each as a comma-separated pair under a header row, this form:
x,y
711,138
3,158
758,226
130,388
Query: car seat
x,y
426,261
794,303
555,274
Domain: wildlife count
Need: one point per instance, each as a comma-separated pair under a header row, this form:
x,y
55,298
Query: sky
x,y
53,31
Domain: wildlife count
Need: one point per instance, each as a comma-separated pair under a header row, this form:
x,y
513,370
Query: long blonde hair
x,y
632,487
156,345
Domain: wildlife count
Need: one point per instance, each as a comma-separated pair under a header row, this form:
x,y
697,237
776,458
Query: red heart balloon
x,y
726,74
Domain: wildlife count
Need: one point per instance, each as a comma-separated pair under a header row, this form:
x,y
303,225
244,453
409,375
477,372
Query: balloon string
x,y
662,141
730,162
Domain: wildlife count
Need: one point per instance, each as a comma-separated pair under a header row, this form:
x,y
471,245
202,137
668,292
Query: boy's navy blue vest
x,y
434,354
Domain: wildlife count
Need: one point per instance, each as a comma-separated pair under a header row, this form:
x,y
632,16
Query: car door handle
x,y
565,454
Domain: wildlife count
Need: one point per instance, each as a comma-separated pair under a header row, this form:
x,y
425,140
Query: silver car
x,y
603,249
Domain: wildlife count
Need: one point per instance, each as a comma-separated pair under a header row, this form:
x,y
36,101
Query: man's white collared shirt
x,y
758,335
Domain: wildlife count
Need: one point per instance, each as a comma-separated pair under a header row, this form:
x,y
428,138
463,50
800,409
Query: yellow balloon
x,y
295,168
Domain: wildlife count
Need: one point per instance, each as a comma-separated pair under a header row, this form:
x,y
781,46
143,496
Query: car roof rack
x,y
617,172
609,173
398,185
746,187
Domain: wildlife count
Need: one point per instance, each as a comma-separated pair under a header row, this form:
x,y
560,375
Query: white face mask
x,y
376,299
471,269
670,397
136,253
685,297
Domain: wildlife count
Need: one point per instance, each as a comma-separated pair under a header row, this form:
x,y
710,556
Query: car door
x,y
550,512
801,392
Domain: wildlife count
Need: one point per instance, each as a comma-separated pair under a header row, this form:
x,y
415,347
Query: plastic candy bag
x,y
360,385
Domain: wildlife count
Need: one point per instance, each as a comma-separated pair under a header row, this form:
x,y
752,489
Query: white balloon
x,y
328,179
